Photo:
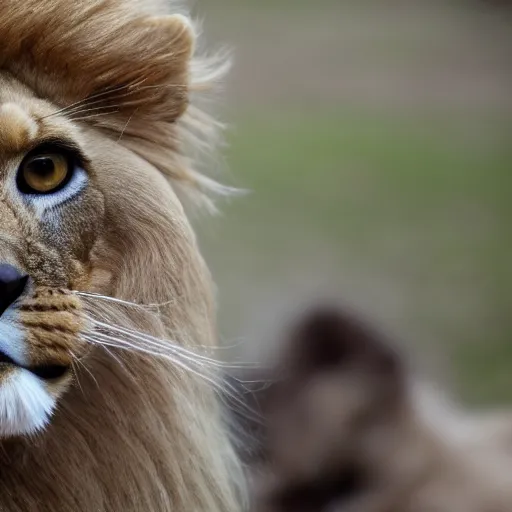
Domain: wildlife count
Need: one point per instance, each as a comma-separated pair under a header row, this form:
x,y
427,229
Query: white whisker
x,y
81,102
94,116
107,335
162,86
75,373
126,125
84,109
124,345
114,356
79,361
162,349
167,345
130,88
121,301
225,389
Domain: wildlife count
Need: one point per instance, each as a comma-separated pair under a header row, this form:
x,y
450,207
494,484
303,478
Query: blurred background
x,y
375,137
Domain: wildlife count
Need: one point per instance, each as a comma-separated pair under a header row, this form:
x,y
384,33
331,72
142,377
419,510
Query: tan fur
x,y
18,129
131,432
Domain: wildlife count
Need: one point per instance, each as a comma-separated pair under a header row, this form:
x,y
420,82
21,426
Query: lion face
x,y
80,208
72,205
52,212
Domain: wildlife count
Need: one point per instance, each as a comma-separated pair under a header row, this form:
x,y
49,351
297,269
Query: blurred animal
x,y
345,429
104,406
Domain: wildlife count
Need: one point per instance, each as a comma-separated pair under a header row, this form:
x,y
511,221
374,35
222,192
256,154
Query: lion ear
x,y
150,75
165,66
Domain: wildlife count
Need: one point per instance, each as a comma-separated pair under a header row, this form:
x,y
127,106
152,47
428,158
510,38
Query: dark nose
x,y
12,284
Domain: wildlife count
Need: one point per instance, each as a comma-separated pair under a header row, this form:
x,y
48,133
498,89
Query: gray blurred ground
x,y
376,139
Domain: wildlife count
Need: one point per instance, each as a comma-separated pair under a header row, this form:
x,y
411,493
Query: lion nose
x,y
12,285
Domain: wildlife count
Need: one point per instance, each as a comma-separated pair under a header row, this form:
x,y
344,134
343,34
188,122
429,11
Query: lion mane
x,y
132,432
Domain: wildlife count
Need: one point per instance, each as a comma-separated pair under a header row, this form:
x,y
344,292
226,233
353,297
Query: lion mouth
x,y
44,371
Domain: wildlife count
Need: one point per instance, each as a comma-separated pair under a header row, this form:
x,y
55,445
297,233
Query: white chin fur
x,y
25,404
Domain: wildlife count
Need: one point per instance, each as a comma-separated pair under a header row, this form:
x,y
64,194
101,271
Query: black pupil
x,y
43,166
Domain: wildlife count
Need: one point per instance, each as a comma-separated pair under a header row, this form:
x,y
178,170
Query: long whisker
x,y
126,125
75,373
114,356
166,345
224,388
124,90
98,99
161,350
157,306
211,370
85,109
100,94
79,361
79,106
93,116
87,103
162,86
123,302
124,345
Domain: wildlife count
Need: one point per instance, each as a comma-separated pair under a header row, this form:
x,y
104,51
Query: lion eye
x,y
43,173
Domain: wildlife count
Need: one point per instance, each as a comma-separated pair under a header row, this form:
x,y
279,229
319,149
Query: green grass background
x,y
406,212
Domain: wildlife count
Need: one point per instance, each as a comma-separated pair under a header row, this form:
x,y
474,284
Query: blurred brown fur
x,y
345,429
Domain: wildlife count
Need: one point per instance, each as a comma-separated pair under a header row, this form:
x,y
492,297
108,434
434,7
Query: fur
x,y
123,429
346,430
25,405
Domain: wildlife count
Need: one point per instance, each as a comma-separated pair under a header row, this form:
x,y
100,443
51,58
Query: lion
x,y
106,401
345,428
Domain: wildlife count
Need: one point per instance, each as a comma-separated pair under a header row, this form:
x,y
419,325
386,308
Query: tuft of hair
x,y
129,68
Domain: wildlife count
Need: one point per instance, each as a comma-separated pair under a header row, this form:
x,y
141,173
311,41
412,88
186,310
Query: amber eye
x,y
43,173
